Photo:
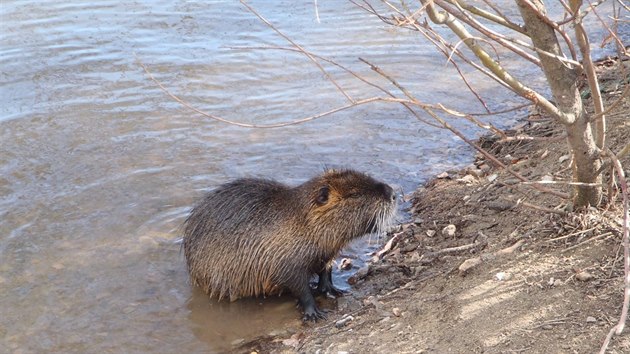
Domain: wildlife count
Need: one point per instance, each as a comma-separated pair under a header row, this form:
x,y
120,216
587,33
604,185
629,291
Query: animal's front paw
x,y
314,314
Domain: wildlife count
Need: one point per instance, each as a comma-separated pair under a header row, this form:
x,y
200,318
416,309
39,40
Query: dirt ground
x,y
538,281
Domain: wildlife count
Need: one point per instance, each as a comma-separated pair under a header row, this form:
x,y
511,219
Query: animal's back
x,y
229,236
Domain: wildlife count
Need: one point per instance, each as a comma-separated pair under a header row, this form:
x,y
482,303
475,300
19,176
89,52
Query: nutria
x,y
255,237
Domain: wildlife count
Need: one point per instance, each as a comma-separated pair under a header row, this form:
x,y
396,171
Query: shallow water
x,y
98,167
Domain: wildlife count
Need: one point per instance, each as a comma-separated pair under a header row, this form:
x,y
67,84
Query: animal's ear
x,y
322,195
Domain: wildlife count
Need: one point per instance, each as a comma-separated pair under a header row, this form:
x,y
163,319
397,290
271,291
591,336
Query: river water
x,y
98,167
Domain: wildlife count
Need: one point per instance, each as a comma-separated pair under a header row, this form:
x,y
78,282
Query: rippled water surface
x,y
98,167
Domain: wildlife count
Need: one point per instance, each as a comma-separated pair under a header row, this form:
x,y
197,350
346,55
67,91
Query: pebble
x,y
476,172
237,342
442,175
468,179
500,276
584,276
591,319
344,321
396,311
563,158
431,233
360,274
345,264
449,230
493,177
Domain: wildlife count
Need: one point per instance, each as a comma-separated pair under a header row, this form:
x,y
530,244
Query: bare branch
x,y
554,25
321,68
503,40
589,70
620,3
277,125
466,18
611,33
429,109
618,328
359,77
495,67
582,14
501,19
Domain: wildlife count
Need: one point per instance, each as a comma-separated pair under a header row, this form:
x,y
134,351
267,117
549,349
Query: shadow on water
x,y
224,324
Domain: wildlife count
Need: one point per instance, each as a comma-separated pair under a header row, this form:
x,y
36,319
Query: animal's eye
x,y
353,194
322,197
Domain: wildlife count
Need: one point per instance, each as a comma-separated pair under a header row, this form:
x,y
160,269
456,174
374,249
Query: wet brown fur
x,y
254,237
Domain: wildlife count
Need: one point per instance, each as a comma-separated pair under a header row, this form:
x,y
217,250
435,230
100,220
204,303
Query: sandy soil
x,y
540,282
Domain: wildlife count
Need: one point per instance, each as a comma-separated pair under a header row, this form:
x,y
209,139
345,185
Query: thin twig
x,y
429,110
266,126
611,33
536,207
626,240
321,68
570,235
605,234
555,26
591,76
496,68
359,77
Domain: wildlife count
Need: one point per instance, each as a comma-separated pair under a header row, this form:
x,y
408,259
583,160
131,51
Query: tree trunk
x,y
563,82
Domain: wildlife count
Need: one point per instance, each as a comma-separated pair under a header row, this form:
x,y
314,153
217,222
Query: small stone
x,y
431,233
544,154
129,309
346,263
468,179
591,319
546,178
551,281
449,230
294,341
475,172
344,321
563,158
418,221
442,175
396,311
57,266
584,276
500,276
547,327
493,177
360,274
238,342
